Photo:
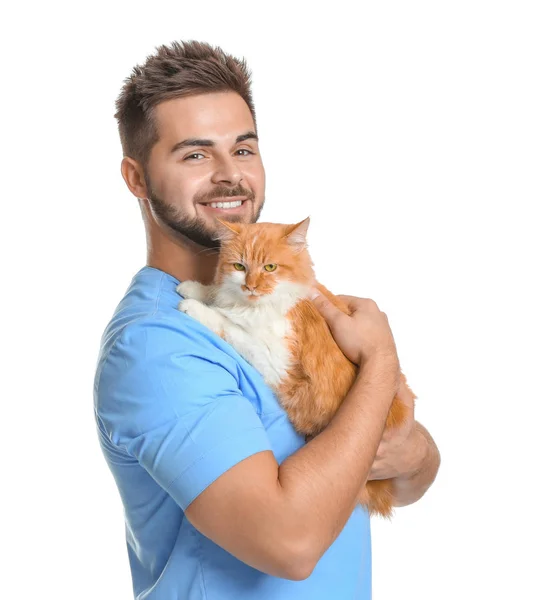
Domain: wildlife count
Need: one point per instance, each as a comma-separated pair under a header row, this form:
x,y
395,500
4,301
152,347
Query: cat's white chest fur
x,y
261,338
257,331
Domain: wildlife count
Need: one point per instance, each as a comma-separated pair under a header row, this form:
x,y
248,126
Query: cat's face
x,y
260,260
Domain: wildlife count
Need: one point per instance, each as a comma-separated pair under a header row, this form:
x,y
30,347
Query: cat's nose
x,y
249,288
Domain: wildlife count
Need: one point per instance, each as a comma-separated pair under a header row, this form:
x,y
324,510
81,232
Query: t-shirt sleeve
x,y
172,401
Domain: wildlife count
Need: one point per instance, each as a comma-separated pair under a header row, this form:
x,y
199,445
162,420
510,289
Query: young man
x,y
222,498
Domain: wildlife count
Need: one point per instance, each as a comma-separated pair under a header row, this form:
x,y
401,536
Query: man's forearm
x,y
321,482
410,487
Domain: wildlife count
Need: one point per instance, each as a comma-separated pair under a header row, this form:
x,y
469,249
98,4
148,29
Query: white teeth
x,y
226,204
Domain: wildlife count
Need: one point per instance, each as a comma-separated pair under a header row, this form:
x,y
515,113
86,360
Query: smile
x,y
226,204
235,205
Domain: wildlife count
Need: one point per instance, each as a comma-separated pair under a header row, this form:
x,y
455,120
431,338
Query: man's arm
x,y
281,520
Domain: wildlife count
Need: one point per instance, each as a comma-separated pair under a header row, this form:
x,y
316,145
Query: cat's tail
x,y
377,497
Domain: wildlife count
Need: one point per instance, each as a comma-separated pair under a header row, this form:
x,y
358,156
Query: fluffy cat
x,y
259,303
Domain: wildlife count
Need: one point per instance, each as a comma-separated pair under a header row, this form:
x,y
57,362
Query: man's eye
x,y
195,154
245,150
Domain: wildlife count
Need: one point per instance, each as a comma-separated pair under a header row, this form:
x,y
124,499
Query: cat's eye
x,y
238,267
270,268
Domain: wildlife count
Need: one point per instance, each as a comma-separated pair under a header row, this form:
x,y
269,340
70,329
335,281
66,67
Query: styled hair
x,y
181,69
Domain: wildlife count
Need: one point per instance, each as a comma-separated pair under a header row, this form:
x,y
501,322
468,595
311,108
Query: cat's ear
x,y
227,231
296,235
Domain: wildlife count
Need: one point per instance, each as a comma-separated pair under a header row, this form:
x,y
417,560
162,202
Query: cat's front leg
x,y
194,290
206,315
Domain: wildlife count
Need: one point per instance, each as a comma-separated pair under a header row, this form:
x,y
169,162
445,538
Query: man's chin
x,y
196,233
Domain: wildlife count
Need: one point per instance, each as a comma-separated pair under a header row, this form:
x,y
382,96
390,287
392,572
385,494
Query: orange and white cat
x,y
259,303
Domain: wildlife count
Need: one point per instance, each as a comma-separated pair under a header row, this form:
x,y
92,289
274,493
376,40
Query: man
x,y
222,498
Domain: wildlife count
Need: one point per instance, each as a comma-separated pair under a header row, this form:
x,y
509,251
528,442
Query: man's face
x,y
207,153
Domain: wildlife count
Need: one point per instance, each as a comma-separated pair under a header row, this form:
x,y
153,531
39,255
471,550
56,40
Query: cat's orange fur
x,y
320,375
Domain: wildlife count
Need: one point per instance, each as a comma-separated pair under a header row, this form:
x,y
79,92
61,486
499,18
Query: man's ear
x,y
132,173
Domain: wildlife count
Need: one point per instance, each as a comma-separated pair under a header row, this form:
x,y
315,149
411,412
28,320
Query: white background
x,y
411,132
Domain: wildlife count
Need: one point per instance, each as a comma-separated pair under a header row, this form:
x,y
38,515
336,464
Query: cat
x,y
259,302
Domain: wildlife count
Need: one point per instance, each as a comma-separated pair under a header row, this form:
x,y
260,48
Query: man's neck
x,y
185,262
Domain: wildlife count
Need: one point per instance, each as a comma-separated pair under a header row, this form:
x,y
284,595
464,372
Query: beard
x,y
197,229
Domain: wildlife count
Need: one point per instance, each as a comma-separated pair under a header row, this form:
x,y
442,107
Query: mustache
x,y
221,192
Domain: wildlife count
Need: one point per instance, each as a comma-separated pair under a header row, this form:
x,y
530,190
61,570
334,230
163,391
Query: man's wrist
x,y
381,370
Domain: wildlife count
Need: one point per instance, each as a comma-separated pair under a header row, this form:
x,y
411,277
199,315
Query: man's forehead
x,y
218,116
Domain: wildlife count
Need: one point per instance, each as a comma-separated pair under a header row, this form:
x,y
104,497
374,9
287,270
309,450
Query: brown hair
x,y
181,69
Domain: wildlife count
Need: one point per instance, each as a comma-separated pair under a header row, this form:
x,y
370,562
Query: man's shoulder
x,y
149,334
157,366
154,339
147,319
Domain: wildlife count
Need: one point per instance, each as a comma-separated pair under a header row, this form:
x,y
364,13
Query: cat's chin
x,y
252,300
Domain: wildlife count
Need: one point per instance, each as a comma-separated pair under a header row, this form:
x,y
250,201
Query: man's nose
x,y
227,171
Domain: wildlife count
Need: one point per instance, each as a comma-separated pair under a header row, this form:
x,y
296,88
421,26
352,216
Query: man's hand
x,y
363,335
401,449
408,455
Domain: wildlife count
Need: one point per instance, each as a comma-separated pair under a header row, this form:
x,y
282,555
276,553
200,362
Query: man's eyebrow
x,y
201,142
191,142
250,135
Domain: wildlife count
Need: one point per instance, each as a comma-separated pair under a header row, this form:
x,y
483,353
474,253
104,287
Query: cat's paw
x,y
202,313
192,308
191,289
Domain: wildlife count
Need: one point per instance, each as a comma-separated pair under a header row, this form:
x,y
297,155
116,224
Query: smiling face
x,y
205,165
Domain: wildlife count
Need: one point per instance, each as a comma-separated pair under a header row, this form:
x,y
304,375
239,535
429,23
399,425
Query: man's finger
x,y
346,298
355,302
326,308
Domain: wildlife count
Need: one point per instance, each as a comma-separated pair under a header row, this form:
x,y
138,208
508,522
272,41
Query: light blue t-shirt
x,y
176,407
